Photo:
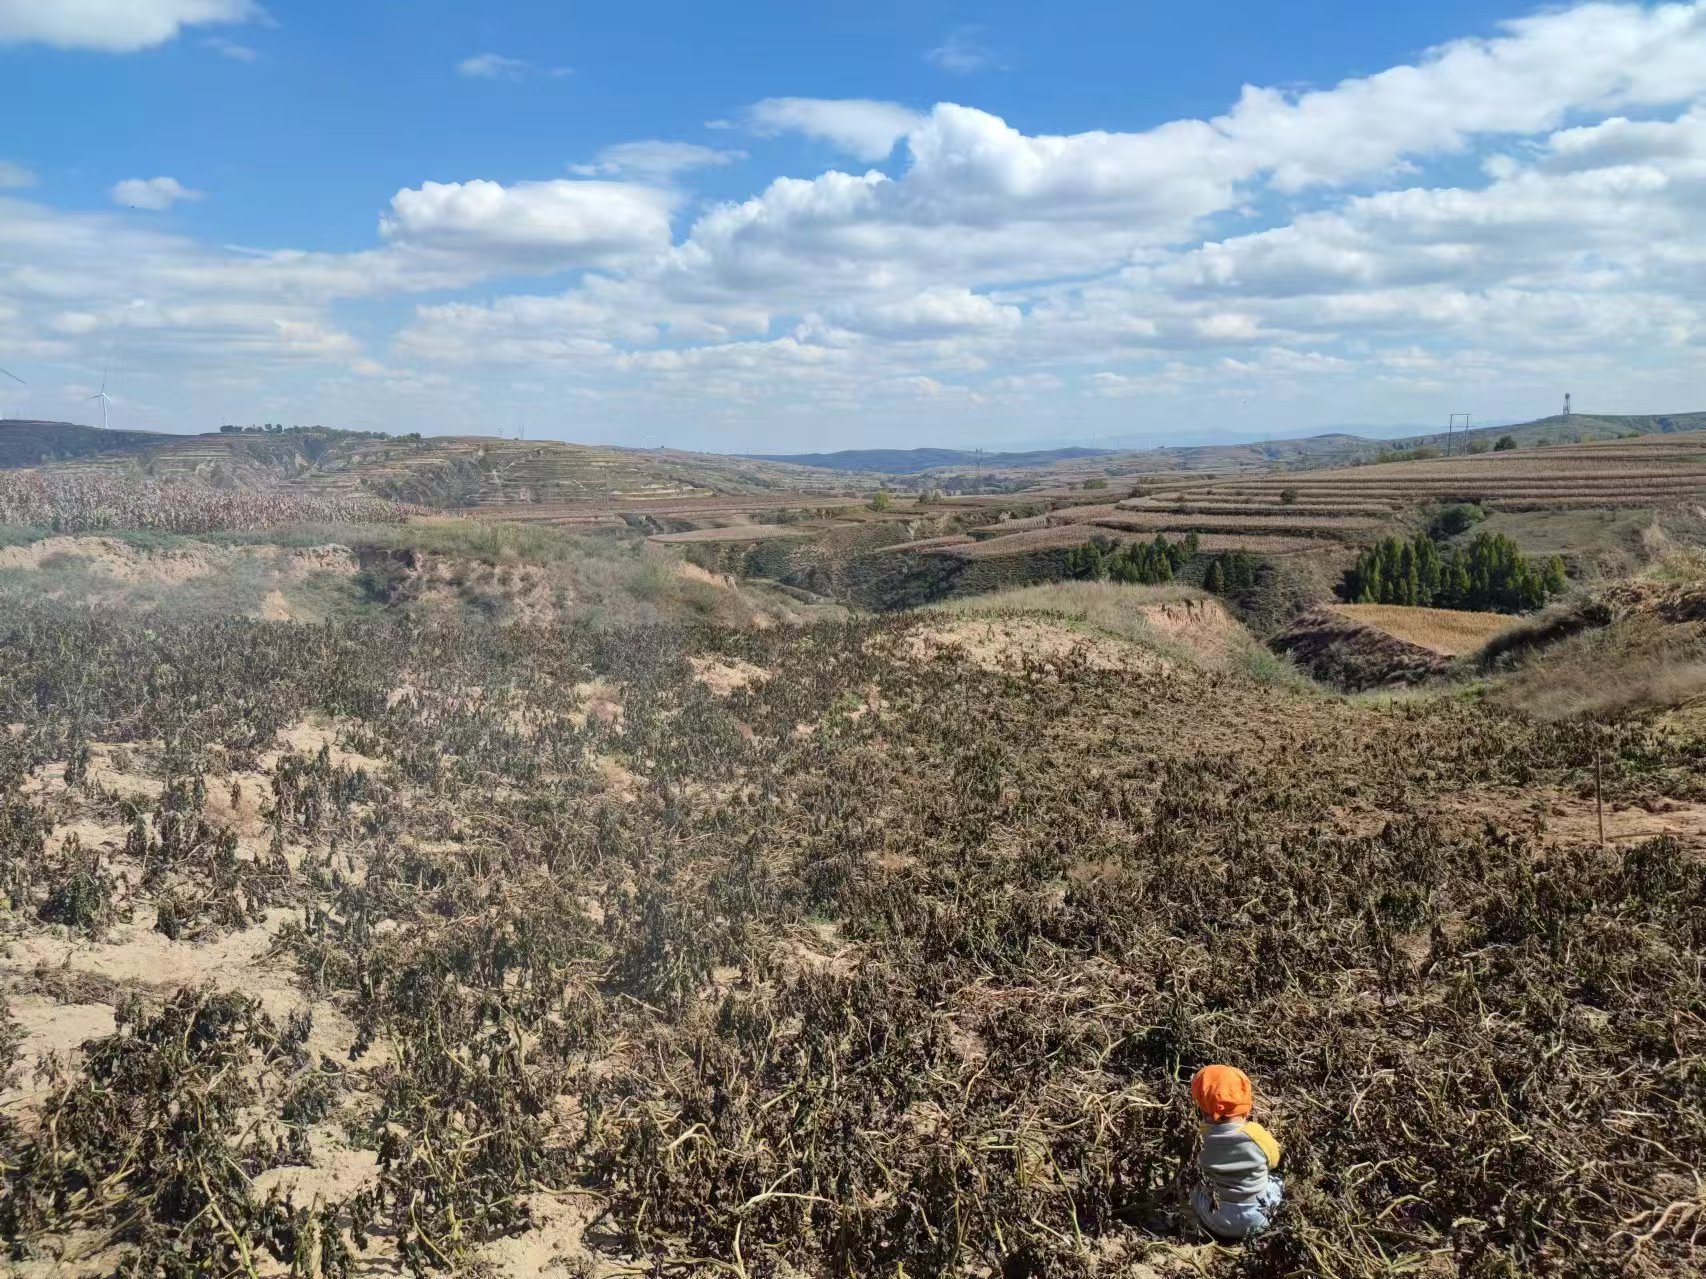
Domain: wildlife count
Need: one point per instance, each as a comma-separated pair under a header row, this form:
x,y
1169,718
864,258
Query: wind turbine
x,y
20,381
103,397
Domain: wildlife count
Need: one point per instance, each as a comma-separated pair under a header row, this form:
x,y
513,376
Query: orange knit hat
x,y
1222,1092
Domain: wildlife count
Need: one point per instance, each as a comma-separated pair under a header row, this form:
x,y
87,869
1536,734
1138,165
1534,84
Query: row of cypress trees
x,y
1145,563
1490,575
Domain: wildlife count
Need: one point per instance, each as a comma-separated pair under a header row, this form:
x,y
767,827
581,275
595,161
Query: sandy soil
x,y
1203,625
724,675
1007,644
598,700
112,558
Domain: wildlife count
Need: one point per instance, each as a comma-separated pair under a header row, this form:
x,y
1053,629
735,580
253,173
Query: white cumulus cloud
x,y
113,26
555,222
151,193
14,176
862,127
655,159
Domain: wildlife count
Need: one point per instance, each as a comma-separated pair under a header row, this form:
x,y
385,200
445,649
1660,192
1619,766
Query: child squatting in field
x,y
1239,1192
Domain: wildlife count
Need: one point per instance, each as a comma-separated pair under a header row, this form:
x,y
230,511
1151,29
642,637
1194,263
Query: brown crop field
x,y
1078,534
1301,526
928,544
866,947
732,533
609,509
1441,630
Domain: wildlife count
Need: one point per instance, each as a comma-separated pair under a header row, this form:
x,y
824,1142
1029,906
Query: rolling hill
x,y
919,461
1577,428
445,471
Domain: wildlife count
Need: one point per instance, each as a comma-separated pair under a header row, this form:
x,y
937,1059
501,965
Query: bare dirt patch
x,y
51,1029
723,675
336,1173
598,702
1203,625
112,768
691,572
275,608
112,558
1009,644
312,736
319,559
133,955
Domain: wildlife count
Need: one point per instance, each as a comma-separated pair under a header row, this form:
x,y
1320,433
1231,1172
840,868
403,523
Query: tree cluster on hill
x,y
1231,573
279,428
1491,575
1421,453
1144,563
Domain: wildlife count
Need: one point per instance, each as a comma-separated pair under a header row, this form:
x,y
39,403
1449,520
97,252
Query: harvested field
x,y
1257,506
1087,514
1301,526
732,533
1447,631
1342,650
1003,527
928,544
607,510
1079,534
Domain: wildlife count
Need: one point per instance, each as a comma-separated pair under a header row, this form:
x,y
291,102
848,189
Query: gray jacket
x,y
1236,1158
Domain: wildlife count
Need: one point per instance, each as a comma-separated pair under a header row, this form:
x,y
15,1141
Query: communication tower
x,y
1566,404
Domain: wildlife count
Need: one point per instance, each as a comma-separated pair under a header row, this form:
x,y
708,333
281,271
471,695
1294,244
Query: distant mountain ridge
x,y
916,461
466,471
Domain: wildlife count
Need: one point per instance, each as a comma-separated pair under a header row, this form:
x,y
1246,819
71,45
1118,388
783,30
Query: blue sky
x,y
806,226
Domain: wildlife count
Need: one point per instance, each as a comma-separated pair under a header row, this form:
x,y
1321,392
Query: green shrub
x,y
1459,517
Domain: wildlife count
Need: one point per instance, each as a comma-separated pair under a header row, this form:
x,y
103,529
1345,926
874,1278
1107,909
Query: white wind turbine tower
x,y
103,397
20,381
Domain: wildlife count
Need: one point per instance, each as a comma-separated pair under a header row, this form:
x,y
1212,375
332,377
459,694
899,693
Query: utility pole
x,y
1452,426
977,455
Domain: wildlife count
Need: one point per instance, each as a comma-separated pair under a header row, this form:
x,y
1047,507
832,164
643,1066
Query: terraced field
x,y
689,507
732,533
1588,502
1061,536
1654,471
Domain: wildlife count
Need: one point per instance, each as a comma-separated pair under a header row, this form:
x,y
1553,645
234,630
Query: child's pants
x,y
1232,1221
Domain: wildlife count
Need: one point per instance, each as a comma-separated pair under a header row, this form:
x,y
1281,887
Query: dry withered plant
x,y
863,964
